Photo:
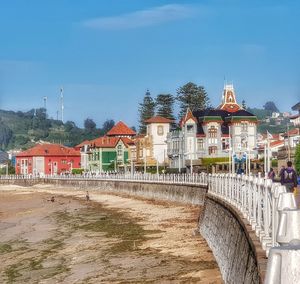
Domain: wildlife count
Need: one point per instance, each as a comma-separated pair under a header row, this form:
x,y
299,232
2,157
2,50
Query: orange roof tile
x,y
158,119
277,143
127,141
104,142
292,132
85,142
49,150
121,129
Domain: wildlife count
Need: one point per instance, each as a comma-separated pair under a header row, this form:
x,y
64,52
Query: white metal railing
x,y
255,197
189,179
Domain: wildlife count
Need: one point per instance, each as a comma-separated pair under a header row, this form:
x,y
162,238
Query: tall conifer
x,y
191,96
146,111
165,105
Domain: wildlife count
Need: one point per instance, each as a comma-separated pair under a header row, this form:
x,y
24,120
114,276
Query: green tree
x,y
5,134
108,125
244,106
146,111
165,105
270,106
297,159
191,96
89,125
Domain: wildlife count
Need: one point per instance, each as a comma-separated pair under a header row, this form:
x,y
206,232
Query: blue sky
x,y
106,54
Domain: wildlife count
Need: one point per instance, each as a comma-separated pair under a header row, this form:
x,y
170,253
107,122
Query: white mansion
x,y
228,131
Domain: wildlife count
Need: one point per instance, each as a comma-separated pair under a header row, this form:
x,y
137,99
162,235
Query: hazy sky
x,y
106,54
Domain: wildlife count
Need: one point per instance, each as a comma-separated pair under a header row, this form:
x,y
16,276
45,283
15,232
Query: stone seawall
x,y
234,244
191,194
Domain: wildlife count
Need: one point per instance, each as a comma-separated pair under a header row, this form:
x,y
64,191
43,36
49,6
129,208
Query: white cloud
x,y
142,18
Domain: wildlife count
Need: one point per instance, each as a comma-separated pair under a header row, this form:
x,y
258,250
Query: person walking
x,y
288,177
271,174
87,196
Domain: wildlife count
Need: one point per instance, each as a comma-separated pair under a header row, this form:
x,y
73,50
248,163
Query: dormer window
x,y
190,128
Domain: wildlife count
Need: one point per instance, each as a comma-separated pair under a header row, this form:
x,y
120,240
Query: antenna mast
x,y
62,104
45,103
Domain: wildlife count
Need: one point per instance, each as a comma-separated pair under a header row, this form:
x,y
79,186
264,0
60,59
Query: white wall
x,y
159,140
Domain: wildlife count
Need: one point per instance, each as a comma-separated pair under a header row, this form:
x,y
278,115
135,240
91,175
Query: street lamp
x,y
71,166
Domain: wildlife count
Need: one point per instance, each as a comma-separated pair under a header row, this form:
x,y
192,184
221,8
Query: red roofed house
x,y
113,151
47,159
121,130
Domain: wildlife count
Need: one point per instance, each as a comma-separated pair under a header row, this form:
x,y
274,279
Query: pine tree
x,y
297,159
244,106
146,111
165,104
191,96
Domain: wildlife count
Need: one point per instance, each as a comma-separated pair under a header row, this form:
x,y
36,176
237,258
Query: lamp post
x,y
71,167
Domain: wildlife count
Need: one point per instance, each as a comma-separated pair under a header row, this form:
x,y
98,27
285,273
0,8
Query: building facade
x,y
225,132
112,152
151,149
47,159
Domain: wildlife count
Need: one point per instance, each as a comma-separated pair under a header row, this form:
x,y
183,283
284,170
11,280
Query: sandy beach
x,y
110,239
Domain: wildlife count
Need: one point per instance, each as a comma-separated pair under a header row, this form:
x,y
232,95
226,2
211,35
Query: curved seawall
x,y
235,246
192,194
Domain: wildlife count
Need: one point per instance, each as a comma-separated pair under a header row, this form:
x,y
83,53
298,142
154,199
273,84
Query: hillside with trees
x,y
21,130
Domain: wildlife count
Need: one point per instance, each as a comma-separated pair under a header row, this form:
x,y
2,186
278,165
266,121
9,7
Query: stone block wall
x,y
191,194
235,247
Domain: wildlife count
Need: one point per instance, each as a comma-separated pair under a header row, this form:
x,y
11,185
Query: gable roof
x,y
120,129
158,119
49,150
104,142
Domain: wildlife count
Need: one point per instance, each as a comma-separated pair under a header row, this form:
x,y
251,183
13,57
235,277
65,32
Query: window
x,y
200,144
212,132
119,150
160,130
244,126
212,150
225,144
190,128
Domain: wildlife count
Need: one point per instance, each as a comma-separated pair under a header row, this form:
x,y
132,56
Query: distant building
x,y
295,119
47,159
113,151
213,133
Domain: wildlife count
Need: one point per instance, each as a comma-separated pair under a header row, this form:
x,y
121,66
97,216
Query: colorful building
x,y
111,152
227,132
47,159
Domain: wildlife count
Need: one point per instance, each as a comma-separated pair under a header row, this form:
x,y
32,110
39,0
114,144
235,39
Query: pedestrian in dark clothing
x,y
288,177
87,196
271,174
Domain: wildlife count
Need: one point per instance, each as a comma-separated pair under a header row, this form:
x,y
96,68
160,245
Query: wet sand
x,y
111,239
